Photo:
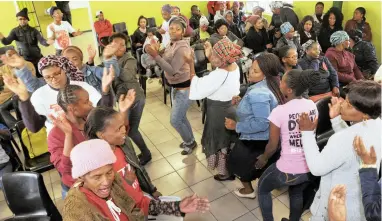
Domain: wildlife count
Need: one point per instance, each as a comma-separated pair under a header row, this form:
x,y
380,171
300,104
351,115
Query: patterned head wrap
x,y
307,45
52,60
339,37
167,8
285,28
227,51
276,5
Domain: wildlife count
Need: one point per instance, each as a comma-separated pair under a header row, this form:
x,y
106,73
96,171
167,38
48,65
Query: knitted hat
x,y
23,13
167,8
90,155
285,28
339,37
203,21
227,51
276,4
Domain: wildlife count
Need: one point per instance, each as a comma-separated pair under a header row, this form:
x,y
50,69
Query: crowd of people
x,y
264,129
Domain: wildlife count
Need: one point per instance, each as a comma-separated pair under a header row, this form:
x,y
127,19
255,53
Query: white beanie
x,y
90,155
203,21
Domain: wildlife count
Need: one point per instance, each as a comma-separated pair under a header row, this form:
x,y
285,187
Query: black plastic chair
x,y
38,164
151,22
121,28
200,62
324,128
27,197
141,70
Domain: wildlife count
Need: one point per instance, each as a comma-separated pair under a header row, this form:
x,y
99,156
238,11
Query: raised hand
x,y
151,50
207,49
15,61
368,158
107,79
91,52
17,86
306,124
192,204
62,123
335,107
109,50
126,101
337,204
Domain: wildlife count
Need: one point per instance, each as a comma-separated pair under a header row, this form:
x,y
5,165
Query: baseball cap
x,y
98,13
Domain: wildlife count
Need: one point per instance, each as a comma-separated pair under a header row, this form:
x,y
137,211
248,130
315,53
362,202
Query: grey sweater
x,y
339,164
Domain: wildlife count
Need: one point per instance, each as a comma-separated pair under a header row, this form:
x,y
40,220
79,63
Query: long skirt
x,y
216,138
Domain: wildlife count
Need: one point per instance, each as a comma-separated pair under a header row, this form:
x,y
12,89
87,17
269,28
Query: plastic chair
x,y
324,128
27,197
151,22
38,164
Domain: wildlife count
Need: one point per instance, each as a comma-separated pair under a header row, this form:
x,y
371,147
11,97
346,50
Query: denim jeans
x,y
64,190
273,178
180,104
135,115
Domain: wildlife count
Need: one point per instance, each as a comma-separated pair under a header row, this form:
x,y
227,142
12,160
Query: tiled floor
x,y
179,175
173,173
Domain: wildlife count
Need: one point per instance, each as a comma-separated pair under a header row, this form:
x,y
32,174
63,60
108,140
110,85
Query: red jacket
x,y
103,28
344,63
212,6
56,140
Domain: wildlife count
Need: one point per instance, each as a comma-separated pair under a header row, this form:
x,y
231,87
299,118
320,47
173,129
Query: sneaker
x,y
181,145
249,196
189,148
143,161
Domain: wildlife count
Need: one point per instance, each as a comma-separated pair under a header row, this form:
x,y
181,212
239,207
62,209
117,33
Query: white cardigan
x,y
338,163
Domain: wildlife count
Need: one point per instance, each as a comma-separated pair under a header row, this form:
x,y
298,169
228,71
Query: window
x,y
264,4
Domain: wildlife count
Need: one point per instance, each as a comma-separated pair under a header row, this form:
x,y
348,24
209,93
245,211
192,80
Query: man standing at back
x,y
318,16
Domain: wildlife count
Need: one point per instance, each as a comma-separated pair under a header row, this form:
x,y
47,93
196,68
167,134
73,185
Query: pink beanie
x,y
90,155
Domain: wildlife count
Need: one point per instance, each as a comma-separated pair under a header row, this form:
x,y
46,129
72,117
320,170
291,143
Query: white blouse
x,y
212,86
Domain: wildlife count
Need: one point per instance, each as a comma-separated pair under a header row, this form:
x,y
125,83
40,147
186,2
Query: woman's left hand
x,y
126,101
306,124
336,92
230,124
368,158
192,204
91,53
107,79
150,49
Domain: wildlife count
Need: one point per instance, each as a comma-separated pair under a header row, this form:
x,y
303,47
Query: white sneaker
x,y
250,196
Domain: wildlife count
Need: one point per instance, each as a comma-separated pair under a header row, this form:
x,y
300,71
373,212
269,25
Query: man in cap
x,y
103,28
27,39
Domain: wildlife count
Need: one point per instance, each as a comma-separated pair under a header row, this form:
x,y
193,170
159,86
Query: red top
x,y
121,167
212,6
141,202
103,28
56,140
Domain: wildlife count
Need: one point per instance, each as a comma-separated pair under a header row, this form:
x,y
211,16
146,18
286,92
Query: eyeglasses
x,y
54,76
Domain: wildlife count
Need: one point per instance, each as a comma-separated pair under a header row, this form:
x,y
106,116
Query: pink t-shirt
x,y
292,159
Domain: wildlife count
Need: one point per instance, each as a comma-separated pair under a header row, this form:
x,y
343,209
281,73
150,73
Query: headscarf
x,y
253,19
227,12
227,51
338,37
306,45
257,8
276,5
52,60
167,8
203,21
23,13
285,27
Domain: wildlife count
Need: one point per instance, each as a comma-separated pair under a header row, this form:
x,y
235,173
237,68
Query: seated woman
x,y
257,10
221,30
92,74
107,124
291,170
288,58
232,27
261,97
331,23
358,22
203,33
57,72
101,194
139,36
343,61
338,163
364,52
219,86
328,84
257,38
288,38
306,29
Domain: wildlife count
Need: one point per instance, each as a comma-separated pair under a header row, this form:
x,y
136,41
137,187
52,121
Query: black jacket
x,y
286,14
256,41
195,36
194,21
365,57
234,28
371,193
324,37
27,42
142,176
329,77
138,37
304,38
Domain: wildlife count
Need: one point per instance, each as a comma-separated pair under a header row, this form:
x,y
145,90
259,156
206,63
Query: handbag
x,y
35,142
